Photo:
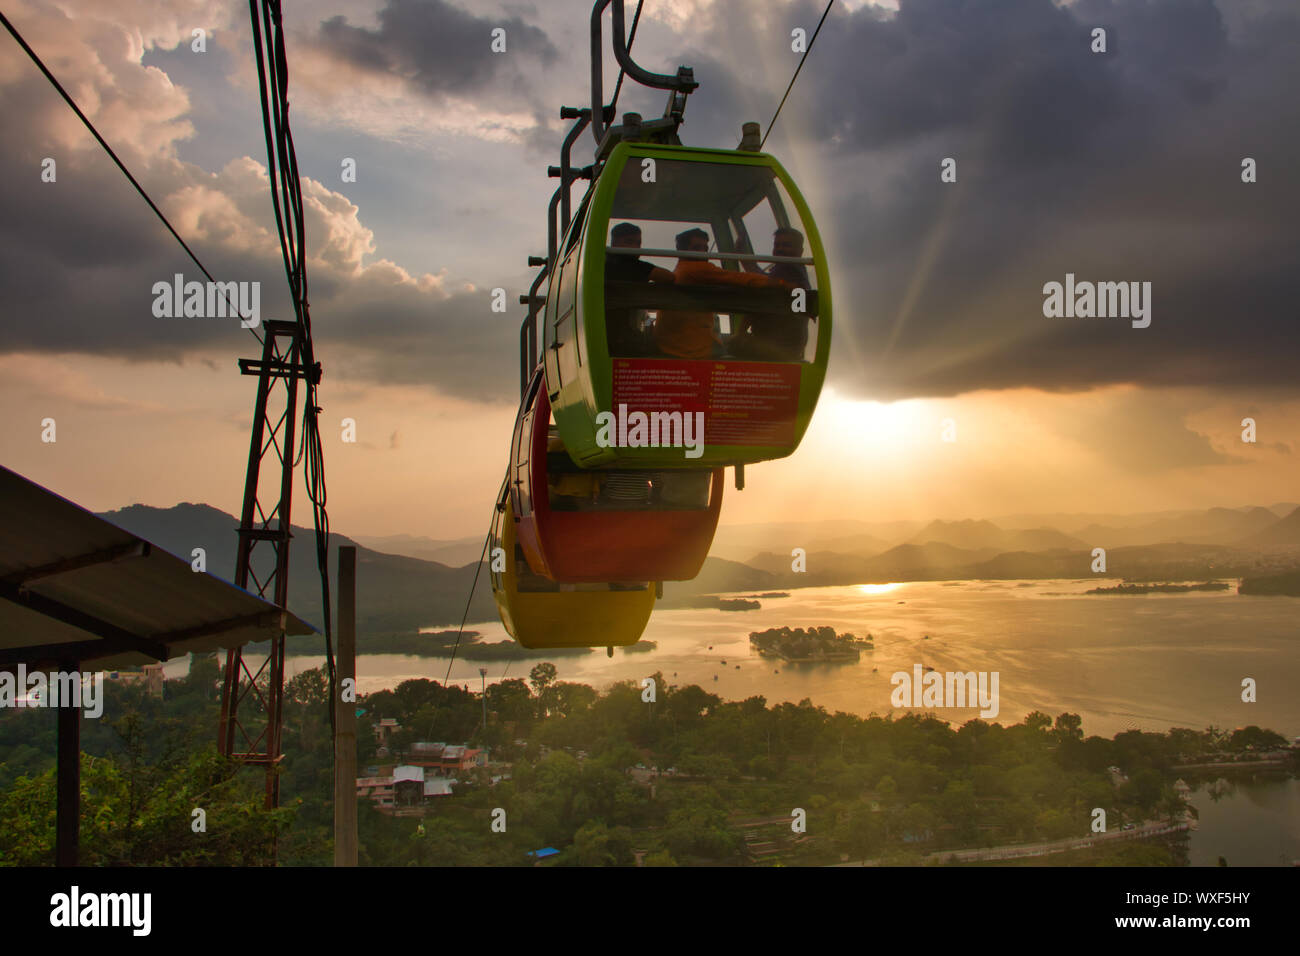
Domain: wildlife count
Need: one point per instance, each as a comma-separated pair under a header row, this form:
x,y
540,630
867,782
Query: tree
x,y
542,676
1069,727
399,743
596,844
309,689
571,698
958,806
1144,790
861,834
511,699
1253,738
1037,721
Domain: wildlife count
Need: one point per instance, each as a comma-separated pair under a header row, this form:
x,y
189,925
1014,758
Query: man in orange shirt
x,y
691,335
777,338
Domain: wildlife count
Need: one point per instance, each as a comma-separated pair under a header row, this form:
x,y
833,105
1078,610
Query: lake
x,y
1253,821
1122,662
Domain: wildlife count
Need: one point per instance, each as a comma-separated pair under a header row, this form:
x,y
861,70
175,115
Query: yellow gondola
x,y
539,613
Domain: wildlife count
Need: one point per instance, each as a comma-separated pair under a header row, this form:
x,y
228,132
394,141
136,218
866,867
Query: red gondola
x,y
595,525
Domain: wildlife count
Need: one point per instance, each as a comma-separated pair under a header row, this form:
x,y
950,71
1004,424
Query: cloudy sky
x,y
1116,166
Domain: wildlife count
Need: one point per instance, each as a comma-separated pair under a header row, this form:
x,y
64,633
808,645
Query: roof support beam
x,y
276,619
130,549
113,639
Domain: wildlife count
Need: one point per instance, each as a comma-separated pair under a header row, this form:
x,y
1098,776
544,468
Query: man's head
x,y
625,236
693,240
787,241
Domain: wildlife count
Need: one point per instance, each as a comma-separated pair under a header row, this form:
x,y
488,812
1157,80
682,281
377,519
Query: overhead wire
x,y
806,51
13,31
478,568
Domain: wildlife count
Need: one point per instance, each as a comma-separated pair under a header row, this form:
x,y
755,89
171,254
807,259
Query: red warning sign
x,y
744,403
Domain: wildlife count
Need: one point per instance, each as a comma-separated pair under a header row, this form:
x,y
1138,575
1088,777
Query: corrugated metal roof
x,y
438,787
405,774
68,577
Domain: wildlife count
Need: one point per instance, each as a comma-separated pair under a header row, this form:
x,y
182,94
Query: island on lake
x,y
1129,588
818,645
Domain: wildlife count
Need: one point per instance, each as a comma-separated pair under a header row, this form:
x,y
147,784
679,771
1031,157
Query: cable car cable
x,y
772,122
478,568
112,155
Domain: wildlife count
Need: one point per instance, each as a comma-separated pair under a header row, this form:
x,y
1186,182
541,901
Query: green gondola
x,y
689,365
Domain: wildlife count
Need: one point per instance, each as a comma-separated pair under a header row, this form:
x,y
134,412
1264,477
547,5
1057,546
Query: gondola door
x,y
561,315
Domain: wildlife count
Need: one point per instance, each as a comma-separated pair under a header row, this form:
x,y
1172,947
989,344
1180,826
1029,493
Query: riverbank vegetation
x,y
604,777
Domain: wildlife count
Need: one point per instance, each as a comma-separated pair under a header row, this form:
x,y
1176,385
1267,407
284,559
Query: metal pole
x,y
345,723
482,672
68,784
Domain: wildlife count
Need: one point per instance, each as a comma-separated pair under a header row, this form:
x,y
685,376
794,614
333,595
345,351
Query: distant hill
x,y
742,542
823,567
967,534
455,553
937,562
1278,584
394,593
1214,526
1283,535
979,535
400,593
923,561
718,576
860,544
938,547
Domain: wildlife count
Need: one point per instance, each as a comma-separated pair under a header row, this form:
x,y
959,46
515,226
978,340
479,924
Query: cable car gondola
x,y
744,346
588,525
539,613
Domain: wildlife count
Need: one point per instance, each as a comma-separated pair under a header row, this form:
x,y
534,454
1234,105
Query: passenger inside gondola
x,y
776,337
571,488
695,335
624,327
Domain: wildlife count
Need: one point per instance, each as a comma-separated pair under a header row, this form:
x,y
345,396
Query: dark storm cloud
x,y
79,279
79,258
1143,433
457,346
1123,166
1116,166
436,47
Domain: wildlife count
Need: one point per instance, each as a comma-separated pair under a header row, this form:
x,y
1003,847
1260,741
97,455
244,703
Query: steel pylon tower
x,y
250,729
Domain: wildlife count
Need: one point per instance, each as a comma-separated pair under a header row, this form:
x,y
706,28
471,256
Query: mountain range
x,y
394,592
399,592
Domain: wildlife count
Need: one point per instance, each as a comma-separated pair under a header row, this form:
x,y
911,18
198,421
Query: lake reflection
x,y
1148,662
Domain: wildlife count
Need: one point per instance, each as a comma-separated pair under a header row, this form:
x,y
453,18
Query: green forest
x,y
607,778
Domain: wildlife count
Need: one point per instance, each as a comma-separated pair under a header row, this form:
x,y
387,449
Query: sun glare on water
x,y
878,588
